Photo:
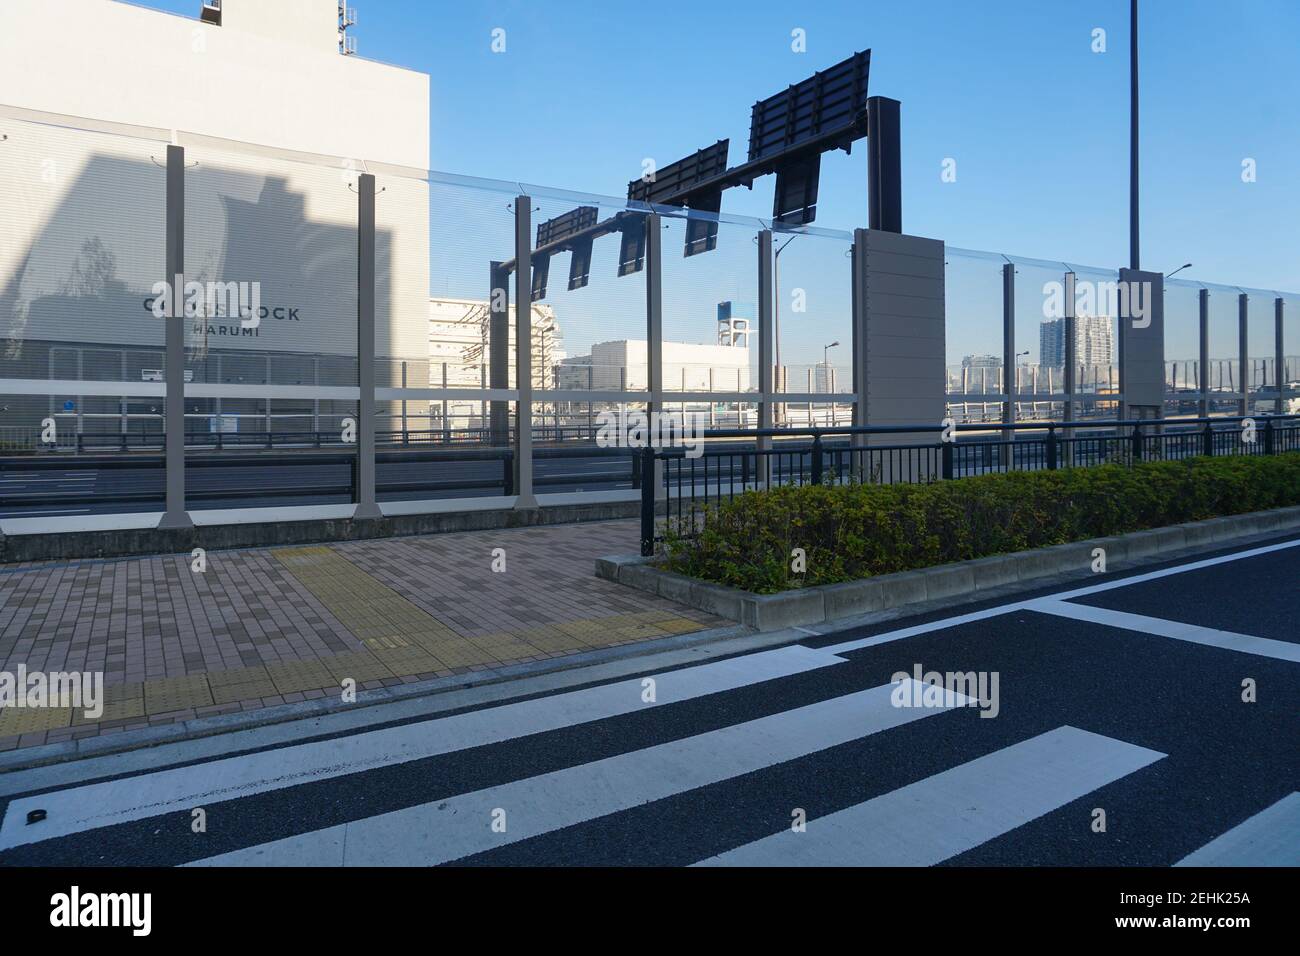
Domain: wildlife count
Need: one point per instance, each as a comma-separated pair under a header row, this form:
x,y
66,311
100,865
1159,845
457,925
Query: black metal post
x,y
648,502
1134,256
884,165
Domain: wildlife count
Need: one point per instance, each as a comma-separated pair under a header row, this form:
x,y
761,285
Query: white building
x,y
459,353
92,92
623,365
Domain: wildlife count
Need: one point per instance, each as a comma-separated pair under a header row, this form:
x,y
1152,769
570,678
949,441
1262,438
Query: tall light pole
x,y
1134,257
776,311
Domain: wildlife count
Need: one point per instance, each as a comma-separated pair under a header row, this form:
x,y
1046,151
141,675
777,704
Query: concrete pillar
x,y
901,279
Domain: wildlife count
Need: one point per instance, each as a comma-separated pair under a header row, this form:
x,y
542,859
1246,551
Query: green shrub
x,y
856,531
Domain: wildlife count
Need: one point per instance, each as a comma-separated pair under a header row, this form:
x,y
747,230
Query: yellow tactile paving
x,y
294,677
177,693
29,720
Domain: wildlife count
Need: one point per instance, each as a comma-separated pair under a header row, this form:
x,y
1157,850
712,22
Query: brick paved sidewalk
x,y
262,627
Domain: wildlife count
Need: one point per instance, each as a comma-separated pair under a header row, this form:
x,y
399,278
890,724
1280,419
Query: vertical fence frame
x,y
766,343
1243,353
175,515
523,444
1008,356
1279,356
367,506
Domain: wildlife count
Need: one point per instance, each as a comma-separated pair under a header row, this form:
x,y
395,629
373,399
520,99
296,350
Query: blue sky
x,y
1010,89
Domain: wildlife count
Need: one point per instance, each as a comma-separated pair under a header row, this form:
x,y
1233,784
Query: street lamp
x,y
1185,265
826,353
776,311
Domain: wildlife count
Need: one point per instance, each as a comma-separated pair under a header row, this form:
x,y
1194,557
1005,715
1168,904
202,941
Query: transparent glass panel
x,y
274,244
1261,365
591,336
83,217
1291,351
1182,349
1040,340
1225,363
973,309
471,225
813,309
710,330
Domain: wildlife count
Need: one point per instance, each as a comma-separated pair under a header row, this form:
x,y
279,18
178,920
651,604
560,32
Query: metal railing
x,y
686,485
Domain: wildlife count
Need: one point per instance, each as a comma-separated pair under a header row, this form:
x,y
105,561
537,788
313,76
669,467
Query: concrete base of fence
x,y
962,580
127,542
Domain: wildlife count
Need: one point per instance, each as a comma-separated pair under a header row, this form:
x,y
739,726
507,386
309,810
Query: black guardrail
x,y
689,482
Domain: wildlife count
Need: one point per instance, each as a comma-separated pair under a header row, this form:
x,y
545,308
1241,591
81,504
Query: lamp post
x,y
1133,137
1185,265
779,385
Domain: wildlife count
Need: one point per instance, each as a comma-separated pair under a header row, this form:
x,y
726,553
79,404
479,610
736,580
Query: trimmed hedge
x,y
856,531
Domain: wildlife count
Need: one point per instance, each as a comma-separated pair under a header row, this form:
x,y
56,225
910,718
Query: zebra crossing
x,y
1115,743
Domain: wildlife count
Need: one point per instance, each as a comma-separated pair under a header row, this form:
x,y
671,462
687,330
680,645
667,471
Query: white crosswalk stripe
x,y
1269,838
134,798
457,827
948,813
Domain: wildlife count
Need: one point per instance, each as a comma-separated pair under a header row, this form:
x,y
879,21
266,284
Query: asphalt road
x,y
1117,734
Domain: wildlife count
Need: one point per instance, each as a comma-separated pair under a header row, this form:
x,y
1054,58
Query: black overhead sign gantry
x,y
788,134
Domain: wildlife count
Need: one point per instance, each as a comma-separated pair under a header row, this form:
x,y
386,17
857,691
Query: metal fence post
x,y
1051,447
1268,436
1279,358
365,491
1243,359
523,446
1207,438
647,502
946,455
1203,376
766,345
817,459
1071,351
1008,359
654,325
1137,442
174,404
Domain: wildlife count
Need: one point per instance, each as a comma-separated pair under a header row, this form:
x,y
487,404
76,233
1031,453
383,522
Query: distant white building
x,y
622,365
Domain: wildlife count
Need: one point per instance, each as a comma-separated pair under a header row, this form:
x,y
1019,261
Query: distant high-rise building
x,y
1094,341
981,361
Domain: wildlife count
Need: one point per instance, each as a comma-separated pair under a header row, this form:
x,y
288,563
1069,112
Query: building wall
x,y
271,74
82,215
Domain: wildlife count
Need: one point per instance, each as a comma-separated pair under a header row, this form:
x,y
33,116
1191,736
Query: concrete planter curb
x,y
93,545
830,602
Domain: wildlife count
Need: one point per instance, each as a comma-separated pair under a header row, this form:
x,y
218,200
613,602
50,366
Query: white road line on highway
x,y
960,619
96,805
456,827
935,819
1178,630
1269,838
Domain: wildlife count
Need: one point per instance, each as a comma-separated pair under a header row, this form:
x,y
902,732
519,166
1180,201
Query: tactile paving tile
x,y
28,720
177,693
294,677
